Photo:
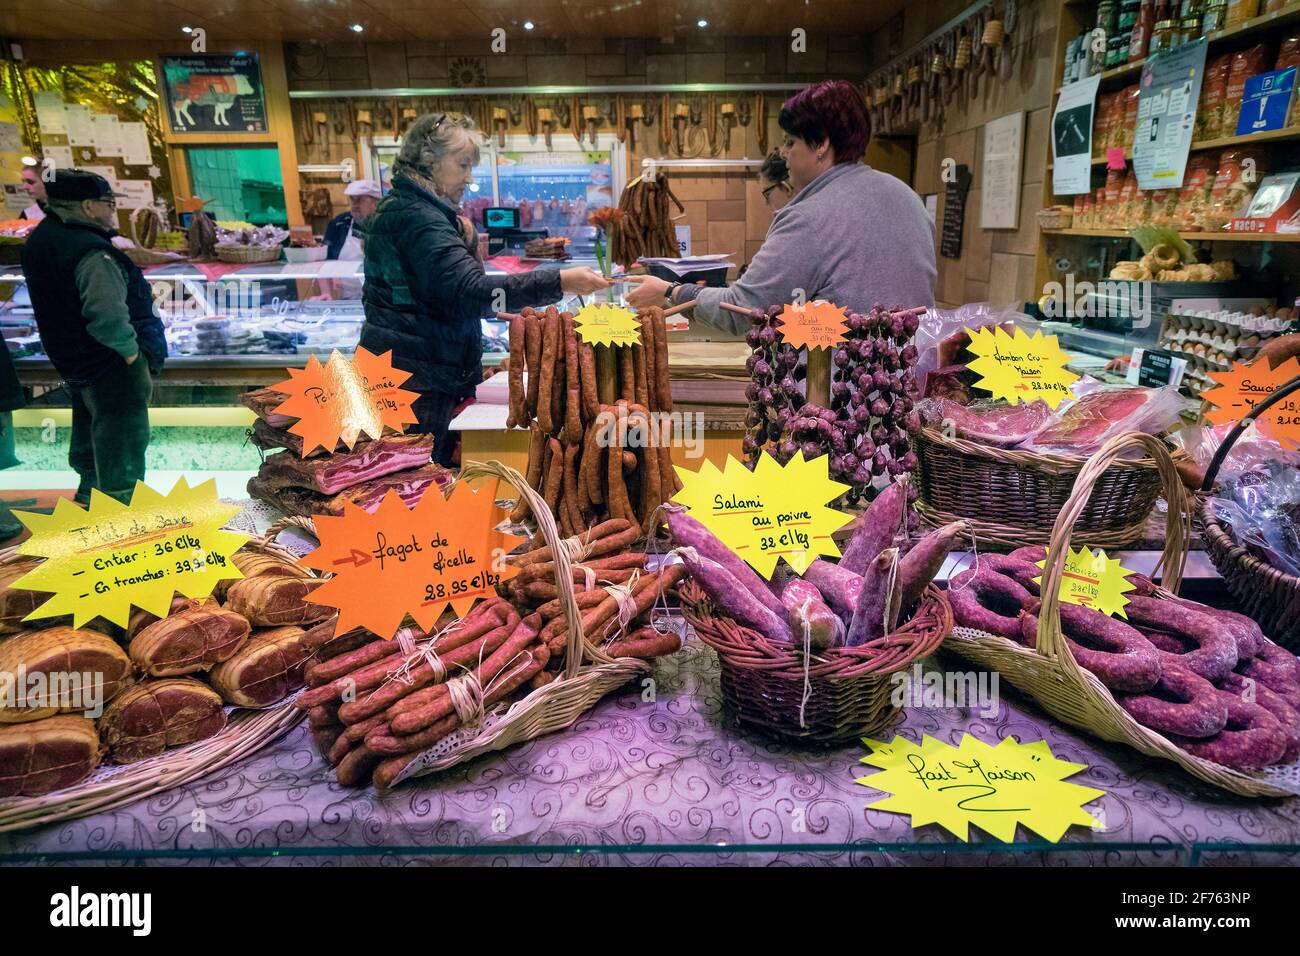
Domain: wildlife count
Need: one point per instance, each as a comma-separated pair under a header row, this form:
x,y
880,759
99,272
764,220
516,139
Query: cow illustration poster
x,y
214,94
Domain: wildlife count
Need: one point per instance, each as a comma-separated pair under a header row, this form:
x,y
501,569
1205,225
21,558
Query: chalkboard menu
x,y
954,213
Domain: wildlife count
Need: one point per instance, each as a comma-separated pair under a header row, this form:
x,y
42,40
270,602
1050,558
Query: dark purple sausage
x,y
1252,739
1182,702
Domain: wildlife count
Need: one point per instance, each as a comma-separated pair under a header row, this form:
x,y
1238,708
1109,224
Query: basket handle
x,y
1178,529
577,647
1226,445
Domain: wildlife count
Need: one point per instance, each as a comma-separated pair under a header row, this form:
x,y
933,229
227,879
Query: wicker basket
x,y
1055,217
109,786
248,255
1012,497
845,693
589,673
1049,673
1268,594
152,257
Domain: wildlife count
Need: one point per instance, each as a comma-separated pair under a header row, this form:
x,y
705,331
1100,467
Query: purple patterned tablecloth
x,y
666,781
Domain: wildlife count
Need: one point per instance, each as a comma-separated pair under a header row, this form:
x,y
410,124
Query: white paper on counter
x,y
77,119
1072,137
106,134
481,417
135,144
50,115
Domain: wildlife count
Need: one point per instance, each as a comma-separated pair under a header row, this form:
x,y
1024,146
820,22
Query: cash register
x,y
504,234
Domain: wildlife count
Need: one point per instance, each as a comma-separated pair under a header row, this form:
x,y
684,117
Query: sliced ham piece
x,y
410,486
999,425
263,402
1081,427
334,473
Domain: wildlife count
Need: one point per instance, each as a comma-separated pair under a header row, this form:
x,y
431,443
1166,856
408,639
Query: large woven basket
x,y
1268,594
237,253
110,786
1049,673
1012,497
589,673
835,696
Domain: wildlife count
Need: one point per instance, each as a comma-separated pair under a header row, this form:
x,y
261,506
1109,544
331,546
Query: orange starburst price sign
x,y
1244,386
813,325
342,400
416,561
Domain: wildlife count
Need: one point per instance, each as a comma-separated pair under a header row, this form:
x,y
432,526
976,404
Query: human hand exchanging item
x,y
647,291
582,281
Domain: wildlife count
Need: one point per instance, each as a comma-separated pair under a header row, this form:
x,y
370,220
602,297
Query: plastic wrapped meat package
x,y
1262,508
941,338
1083,426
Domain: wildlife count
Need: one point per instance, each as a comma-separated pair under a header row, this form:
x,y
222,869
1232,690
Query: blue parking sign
x,y
1266,101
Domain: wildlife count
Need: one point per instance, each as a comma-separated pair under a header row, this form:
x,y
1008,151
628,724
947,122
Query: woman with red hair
x,y
851,235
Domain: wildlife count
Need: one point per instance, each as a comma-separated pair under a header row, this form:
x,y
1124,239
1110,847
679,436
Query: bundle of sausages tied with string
x,y
596,451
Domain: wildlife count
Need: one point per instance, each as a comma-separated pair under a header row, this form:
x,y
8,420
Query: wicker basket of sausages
x,y
813,664
571,627
598,417
1201,687
178,697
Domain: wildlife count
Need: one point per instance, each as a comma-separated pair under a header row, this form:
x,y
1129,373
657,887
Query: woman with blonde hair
x,y
426,290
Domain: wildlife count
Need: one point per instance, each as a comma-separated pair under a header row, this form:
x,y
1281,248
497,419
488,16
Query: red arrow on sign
x,y
357,558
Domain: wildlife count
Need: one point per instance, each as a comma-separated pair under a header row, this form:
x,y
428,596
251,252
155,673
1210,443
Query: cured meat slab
x,y
342,470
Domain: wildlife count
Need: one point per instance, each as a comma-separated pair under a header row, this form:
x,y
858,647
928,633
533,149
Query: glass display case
x,y
238,316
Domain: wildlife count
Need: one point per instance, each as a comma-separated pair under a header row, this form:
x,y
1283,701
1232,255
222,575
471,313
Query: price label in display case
x,y
417,561
102,560
773,512
1244,386
1094,581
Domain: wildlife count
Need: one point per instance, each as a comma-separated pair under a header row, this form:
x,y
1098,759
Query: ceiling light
x,y
528,24
187,29
356,28
701,23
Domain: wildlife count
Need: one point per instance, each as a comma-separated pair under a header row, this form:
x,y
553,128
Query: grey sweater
x,y
853,236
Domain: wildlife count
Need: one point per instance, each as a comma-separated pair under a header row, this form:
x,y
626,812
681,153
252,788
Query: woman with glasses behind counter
x,y
426,291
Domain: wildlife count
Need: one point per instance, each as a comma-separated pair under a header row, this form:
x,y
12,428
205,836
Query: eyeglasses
x,y
767,192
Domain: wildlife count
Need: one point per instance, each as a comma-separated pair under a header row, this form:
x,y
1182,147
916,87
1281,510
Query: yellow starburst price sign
x,y
1020,367
601,324
994,788
101,561
1093,581
773,512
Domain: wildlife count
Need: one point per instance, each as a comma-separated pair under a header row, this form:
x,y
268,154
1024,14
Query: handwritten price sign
x,y
1244,386
1020,367
103,560
343,400
773,512
994,788
1094,581
601,324
417,561
813,325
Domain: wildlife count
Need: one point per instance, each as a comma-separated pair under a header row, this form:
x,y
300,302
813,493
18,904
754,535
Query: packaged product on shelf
x,y
1245,64
1233,189
1127,116
1214,92
1195,194
1163,208
1113,216
1240,11
1099,208
1289,55
1135,204
1081,211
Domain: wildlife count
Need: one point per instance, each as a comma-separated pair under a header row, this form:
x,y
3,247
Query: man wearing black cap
x,y
96,317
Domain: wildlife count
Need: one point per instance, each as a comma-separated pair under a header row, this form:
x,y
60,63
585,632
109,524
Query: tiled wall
x,y
996,265
724,209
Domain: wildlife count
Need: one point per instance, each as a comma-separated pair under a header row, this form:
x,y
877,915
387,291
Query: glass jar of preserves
x,y
1190,28
1162,37
1215,17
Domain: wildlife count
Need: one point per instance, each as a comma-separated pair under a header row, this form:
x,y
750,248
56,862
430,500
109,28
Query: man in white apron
x,y
343,237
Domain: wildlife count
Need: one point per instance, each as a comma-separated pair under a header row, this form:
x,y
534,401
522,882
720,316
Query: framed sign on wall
x,y
214,93
1003,147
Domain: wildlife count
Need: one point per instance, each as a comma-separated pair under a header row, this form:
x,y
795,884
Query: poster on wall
x,y
214,93
1072,137
1000,196
1167,96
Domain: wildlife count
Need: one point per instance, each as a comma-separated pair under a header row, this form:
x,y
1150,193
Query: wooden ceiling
x,y
400,20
